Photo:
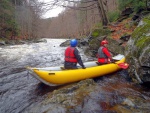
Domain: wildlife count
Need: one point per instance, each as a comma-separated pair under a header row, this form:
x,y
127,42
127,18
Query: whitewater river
x,y
21,93
17,90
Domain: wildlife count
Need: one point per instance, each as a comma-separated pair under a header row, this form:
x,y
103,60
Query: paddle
x,y
123,65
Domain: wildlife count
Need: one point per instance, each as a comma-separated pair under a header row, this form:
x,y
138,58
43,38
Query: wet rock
x,y
138,52
122,109
84,42
128,102
135,17
2,42
127,11
40,40
65,44
125,38
22,42
91,105
62,100
120,19
24,94
81,42
125,14
113,46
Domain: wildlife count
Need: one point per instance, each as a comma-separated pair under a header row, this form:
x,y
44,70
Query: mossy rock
x,y
100,32
139,51
113,46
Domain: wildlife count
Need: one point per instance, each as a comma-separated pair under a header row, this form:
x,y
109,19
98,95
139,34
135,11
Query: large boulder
x,y
138,52
113,46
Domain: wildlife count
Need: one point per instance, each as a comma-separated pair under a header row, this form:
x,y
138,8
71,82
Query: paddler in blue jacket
x,y
72,56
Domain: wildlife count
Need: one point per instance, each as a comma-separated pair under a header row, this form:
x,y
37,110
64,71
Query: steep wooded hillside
x,y
21,19
76,23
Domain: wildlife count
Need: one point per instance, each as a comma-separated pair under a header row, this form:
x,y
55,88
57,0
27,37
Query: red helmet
x,y
104,42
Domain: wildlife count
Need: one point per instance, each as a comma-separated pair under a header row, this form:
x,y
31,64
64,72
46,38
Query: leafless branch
x,y
88,1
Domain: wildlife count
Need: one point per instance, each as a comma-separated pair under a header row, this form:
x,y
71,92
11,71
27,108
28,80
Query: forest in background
x,y
21,19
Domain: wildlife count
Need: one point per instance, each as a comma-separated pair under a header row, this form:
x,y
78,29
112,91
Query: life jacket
x,y
102,58
101,53
69,55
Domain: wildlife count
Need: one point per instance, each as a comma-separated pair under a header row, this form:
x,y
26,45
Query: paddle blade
x,y
123,65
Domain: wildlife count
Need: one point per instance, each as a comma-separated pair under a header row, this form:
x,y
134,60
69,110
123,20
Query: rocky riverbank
x,y
135,46
138,52
21,92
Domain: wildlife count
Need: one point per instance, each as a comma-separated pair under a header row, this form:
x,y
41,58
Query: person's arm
x,y
76,52
107,53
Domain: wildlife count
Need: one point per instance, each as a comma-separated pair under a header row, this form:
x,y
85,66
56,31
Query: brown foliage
x,y
75,23
120,29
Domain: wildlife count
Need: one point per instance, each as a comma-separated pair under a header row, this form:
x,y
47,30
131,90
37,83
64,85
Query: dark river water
x,y
17,90
20,92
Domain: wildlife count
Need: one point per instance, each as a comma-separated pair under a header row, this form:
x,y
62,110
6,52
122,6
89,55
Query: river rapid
x,y
21,93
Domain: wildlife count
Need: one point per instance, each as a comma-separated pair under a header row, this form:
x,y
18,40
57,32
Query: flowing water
x,y
17,90
20,92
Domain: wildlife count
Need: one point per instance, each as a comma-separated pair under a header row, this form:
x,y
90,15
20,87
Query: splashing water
x,y
22,93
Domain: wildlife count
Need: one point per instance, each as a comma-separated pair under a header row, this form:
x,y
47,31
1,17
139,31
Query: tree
x,y
78,19
102,13
90,6
8,26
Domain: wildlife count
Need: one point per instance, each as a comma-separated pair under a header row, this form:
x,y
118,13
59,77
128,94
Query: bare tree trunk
x,y
102,13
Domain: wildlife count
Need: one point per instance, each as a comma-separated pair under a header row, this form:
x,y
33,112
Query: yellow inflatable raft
x,y
57,75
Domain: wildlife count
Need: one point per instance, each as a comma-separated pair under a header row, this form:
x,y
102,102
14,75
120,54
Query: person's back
x,y
104,55
72,56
